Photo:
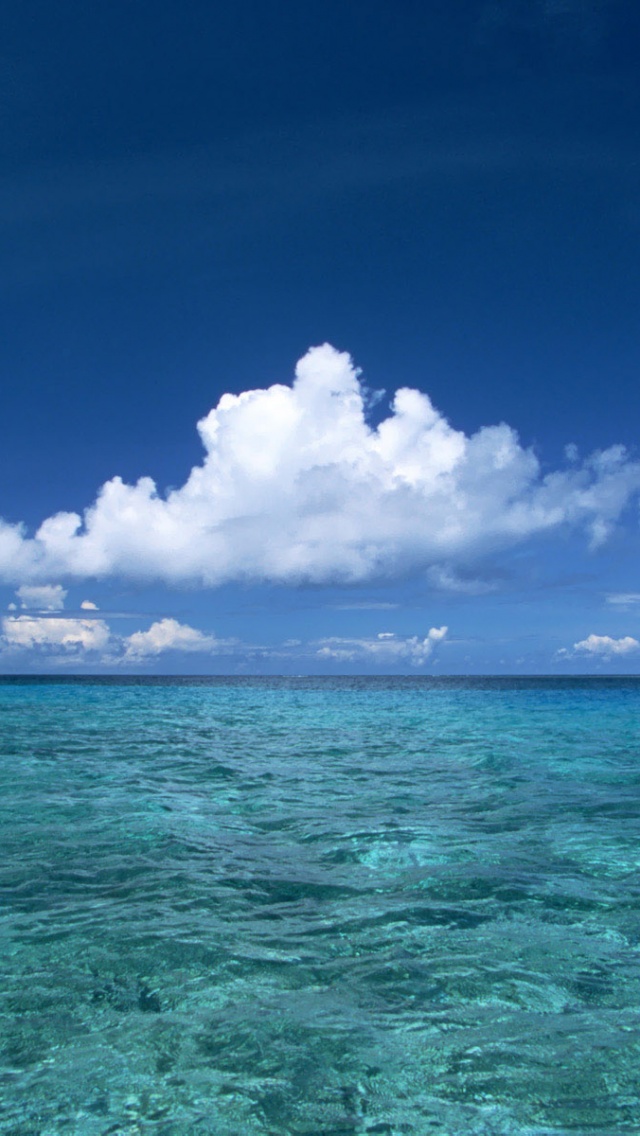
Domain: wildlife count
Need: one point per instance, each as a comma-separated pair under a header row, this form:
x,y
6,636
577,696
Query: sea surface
x,y
319,907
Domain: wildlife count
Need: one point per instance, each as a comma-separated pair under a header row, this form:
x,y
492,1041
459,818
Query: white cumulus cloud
x,y
386,647
88,605
296,486
61,637
26,632
41,597
166,635
605,646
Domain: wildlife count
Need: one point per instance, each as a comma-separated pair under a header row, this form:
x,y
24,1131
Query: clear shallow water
x,y
320,907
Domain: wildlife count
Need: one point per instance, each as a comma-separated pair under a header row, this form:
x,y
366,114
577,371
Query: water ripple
x,y
319,907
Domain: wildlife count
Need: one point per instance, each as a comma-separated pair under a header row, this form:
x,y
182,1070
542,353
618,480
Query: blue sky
x,y
192,199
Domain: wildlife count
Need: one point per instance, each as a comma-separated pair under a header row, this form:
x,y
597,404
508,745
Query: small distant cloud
x,y
446,580
364,605
88,605
41,597
604,646
74,639
624,599
166,635
25,632
385,647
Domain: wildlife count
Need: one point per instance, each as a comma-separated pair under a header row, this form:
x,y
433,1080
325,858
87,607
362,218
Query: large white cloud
x,y
295,486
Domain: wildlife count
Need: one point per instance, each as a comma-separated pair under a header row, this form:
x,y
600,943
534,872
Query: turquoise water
x,y
320,907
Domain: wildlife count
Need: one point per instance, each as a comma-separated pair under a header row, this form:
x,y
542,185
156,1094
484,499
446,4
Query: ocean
x,y
320,907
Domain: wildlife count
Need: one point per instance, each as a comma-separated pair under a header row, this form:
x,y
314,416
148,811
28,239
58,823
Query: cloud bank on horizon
x,y
62,640
297,487
70,639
